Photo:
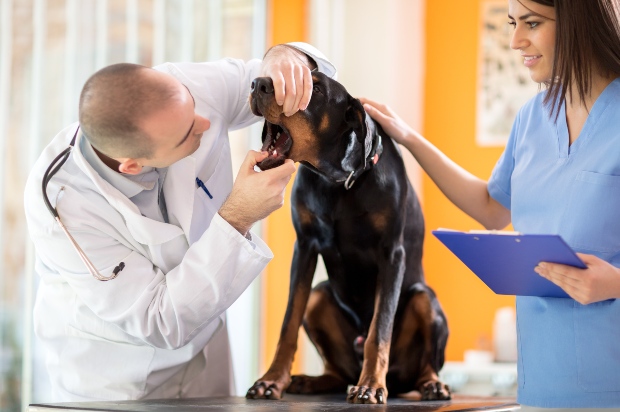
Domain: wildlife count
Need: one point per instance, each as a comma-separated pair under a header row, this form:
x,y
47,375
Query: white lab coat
x,y
143,334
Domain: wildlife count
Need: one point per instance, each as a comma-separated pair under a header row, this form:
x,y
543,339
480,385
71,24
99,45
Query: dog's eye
x,y
316,89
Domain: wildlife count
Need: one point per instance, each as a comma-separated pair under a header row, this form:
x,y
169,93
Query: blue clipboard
x,y
505,261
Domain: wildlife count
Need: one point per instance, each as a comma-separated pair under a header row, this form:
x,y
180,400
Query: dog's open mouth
x,y
277,142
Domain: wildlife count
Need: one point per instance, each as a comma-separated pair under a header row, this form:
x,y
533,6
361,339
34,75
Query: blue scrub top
x,y
569,354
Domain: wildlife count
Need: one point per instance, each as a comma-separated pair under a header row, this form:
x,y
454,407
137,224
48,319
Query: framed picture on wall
x,y
504,84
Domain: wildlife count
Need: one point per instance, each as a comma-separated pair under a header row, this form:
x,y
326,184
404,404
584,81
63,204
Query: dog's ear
x,y
355,118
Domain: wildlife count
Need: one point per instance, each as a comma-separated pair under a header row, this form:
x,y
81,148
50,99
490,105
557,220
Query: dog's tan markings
x,y
323,313
408,327
427,374
360,117
325,124
304,142
334,348
379,220
376,360
273,113
306,218
430,386
424,310
418,314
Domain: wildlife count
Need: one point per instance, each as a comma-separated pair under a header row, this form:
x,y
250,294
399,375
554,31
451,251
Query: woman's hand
x,y
600,281
393,125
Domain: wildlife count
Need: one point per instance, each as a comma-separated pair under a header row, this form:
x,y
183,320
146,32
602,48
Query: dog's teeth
x,y
275,153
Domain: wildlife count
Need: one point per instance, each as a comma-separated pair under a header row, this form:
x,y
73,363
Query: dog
x,y
375,322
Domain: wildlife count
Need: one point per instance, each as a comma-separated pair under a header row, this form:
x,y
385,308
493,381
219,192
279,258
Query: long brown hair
x,y
587,39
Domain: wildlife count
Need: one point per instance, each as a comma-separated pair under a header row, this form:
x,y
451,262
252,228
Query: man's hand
x,y
600,281
289,69
255,194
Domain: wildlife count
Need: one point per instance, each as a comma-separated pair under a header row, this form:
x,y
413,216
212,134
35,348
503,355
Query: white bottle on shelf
x,y
505,335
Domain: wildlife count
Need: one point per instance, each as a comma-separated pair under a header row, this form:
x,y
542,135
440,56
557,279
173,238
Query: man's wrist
x,y
238,224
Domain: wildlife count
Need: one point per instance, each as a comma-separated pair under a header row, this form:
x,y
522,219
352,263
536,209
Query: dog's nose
x,y
262,85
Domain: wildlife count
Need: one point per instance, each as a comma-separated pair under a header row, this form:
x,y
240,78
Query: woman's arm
x,y
468,192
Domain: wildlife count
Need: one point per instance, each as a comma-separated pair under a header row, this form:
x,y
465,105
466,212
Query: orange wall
x,y
449,122
286,23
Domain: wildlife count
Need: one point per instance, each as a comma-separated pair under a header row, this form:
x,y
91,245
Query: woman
x,y
559,173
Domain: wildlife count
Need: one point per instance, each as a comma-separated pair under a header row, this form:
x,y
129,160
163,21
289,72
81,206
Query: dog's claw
x,y
380,395
366,395
435,390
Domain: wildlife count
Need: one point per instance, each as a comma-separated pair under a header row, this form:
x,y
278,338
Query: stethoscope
x,y
52,169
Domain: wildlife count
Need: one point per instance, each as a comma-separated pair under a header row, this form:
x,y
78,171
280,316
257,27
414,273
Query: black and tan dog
x,y
375,321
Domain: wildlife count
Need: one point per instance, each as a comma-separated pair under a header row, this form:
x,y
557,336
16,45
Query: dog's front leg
x,y
273,384
371,387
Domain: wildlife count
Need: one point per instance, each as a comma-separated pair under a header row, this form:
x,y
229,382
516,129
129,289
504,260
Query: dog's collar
x,y
373,149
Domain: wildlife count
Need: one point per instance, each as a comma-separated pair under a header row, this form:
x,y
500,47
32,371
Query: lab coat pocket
x,y
104,369
594,195
218,186
596,342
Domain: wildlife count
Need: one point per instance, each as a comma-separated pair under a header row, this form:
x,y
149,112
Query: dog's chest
x,y
339,224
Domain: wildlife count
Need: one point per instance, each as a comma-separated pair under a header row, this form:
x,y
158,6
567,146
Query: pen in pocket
x,y
200,184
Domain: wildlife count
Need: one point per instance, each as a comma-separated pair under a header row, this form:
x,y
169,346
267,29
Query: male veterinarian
x,y
142,239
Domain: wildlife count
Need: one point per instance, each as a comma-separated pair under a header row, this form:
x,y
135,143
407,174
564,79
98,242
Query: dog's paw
x,y
265,388
365,394
435,390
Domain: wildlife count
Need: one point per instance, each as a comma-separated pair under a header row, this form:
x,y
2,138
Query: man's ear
x,y
355,118
129,166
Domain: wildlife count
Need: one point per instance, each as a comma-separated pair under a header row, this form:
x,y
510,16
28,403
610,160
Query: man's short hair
x,y
113,102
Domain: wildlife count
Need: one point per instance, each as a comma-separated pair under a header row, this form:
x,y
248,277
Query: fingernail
x,y
267,392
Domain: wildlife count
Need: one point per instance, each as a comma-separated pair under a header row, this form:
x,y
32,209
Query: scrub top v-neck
x,y
568,352
596,113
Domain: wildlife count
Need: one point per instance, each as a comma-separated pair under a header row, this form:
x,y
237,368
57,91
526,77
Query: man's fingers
x,y
307,88
252,159
299,90
290,87
279,87
284,171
